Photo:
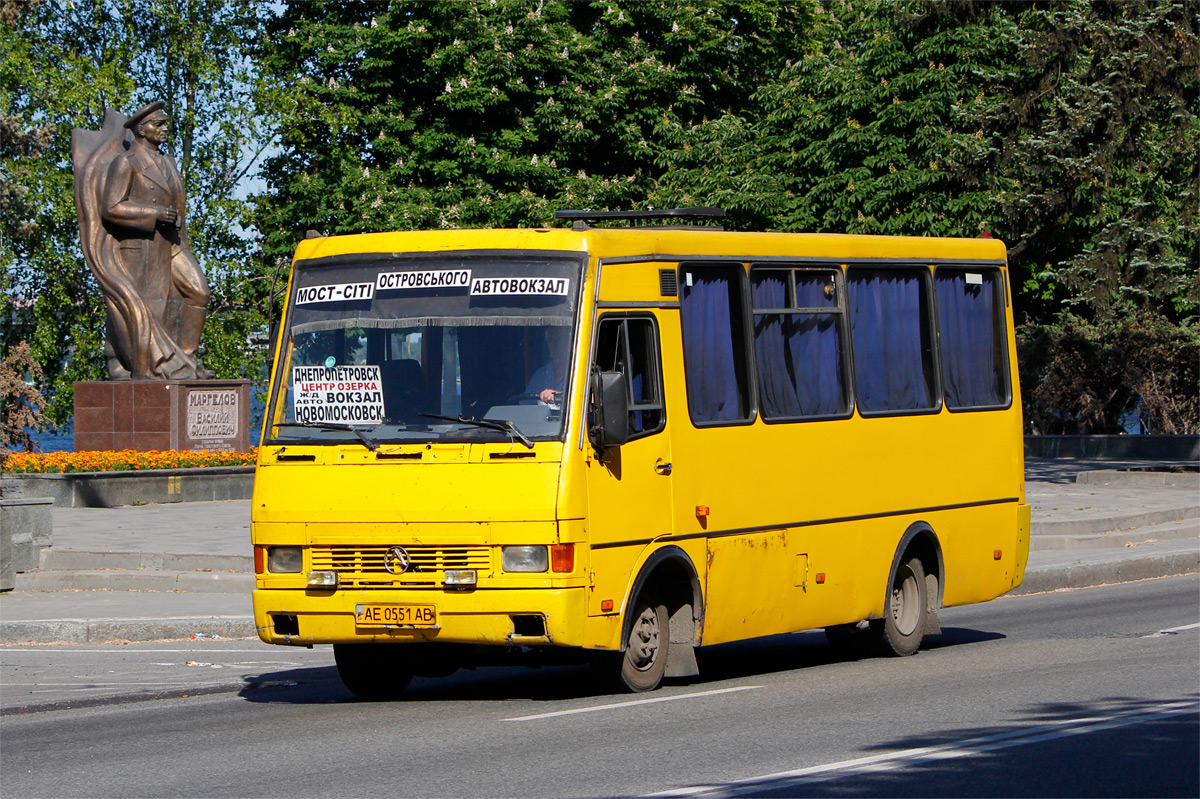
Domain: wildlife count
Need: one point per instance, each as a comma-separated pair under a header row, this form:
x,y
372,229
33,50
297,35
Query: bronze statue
x,y
130,201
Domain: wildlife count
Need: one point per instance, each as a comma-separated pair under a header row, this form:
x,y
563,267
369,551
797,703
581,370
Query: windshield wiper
x,y
503,425
368,442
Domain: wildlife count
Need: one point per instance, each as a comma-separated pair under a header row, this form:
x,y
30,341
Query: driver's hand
x,y
548,396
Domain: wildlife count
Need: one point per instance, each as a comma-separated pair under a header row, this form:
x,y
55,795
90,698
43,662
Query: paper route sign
x,y
339,395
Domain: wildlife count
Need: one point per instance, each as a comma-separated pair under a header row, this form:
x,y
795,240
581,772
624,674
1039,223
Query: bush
x,y
21,403
1084,377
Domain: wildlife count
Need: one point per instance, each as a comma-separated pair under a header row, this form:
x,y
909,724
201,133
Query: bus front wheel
x,y
646,648
904,619
373,671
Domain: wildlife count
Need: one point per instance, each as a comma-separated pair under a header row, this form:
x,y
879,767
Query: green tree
x,y
1069,130
493,113
1093,153
867,130
61,64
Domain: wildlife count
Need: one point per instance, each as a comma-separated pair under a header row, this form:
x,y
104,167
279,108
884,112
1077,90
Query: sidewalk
x,y
151,572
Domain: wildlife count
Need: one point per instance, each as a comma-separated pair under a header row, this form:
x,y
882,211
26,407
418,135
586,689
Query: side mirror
x,y
609,425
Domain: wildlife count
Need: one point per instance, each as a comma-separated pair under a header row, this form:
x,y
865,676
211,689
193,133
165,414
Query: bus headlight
x,y
284,560
524,559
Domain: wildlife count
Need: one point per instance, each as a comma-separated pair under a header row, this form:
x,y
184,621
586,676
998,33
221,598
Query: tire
x,y
904,617
373,671
649,639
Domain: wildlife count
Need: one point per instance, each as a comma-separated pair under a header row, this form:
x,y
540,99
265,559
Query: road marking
x,y
907,757
616,705
1172,631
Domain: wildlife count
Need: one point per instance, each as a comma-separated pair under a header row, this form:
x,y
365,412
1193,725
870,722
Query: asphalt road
x,y
1093,692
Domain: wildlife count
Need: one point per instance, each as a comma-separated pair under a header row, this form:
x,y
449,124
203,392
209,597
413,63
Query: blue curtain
x,y
799,355
889,328
972,337
713,350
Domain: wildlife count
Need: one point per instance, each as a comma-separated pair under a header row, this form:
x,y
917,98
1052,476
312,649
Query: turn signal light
x,y
606,605
562,558
701,511
820,578
997,554
260,560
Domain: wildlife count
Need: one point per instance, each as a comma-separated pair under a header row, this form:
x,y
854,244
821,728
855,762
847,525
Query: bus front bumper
x,y
520,617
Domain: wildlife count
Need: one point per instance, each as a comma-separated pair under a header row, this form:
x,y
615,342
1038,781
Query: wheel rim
x,y
643,640
905,596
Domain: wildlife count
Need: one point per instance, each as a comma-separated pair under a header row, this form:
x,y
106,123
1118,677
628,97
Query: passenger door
x,y
629,487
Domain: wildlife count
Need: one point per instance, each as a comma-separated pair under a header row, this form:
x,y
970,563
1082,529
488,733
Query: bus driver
x,y
548,382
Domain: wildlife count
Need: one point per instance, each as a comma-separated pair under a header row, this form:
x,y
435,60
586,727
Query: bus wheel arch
x,y
916,577
667,584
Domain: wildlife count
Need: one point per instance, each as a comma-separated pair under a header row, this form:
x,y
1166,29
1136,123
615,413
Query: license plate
x,y
407,615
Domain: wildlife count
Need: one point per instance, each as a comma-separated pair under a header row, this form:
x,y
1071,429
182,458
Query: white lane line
x,y
1172,631
906,757
632,703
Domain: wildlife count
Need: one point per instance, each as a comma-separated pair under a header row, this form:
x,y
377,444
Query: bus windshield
x,y
425,350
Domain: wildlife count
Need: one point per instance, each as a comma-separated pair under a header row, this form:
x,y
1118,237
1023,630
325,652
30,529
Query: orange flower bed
x,y
127,460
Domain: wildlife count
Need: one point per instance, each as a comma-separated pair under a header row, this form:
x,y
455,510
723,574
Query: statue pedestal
x,y
162,414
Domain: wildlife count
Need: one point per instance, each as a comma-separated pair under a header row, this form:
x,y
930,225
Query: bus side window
x,y
714,344
974,342
891,332
798,343
630,345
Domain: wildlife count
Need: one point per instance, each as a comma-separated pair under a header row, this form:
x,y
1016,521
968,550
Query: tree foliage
x,y
61,64
496,112
866,132
1068,129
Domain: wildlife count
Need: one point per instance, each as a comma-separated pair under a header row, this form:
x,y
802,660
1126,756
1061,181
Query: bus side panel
x,y
610,577
756,586
970,539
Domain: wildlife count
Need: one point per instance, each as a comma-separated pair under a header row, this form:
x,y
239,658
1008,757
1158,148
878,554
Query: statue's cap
x,y
144,112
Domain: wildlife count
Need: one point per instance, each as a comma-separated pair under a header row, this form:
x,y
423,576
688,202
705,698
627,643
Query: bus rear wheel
x,y
904,618
646,648
373,671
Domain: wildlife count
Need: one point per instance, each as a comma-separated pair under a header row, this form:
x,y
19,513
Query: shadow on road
x,y
1120,746
774,654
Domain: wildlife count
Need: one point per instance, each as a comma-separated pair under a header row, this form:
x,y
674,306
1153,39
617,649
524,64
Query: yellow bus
x,y
625,439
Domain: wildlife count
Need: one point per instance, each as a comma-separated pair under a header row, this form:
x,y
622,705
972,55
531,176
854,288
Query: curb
x,y
1183,530
100,631
158,486
1114,524
73,559
1105,477
1087,575
196,582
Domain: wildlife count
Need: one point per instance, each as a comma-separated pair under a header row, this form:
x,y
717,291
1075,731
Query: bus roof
x,y
669,242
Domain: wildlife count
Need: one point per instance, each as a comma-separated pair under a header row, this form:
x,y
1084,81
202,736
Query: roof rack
x,y
694,216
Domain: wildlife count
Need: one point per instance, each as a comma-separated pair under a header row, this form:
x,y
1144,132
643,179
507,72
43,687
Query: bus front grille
x,y
363,567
